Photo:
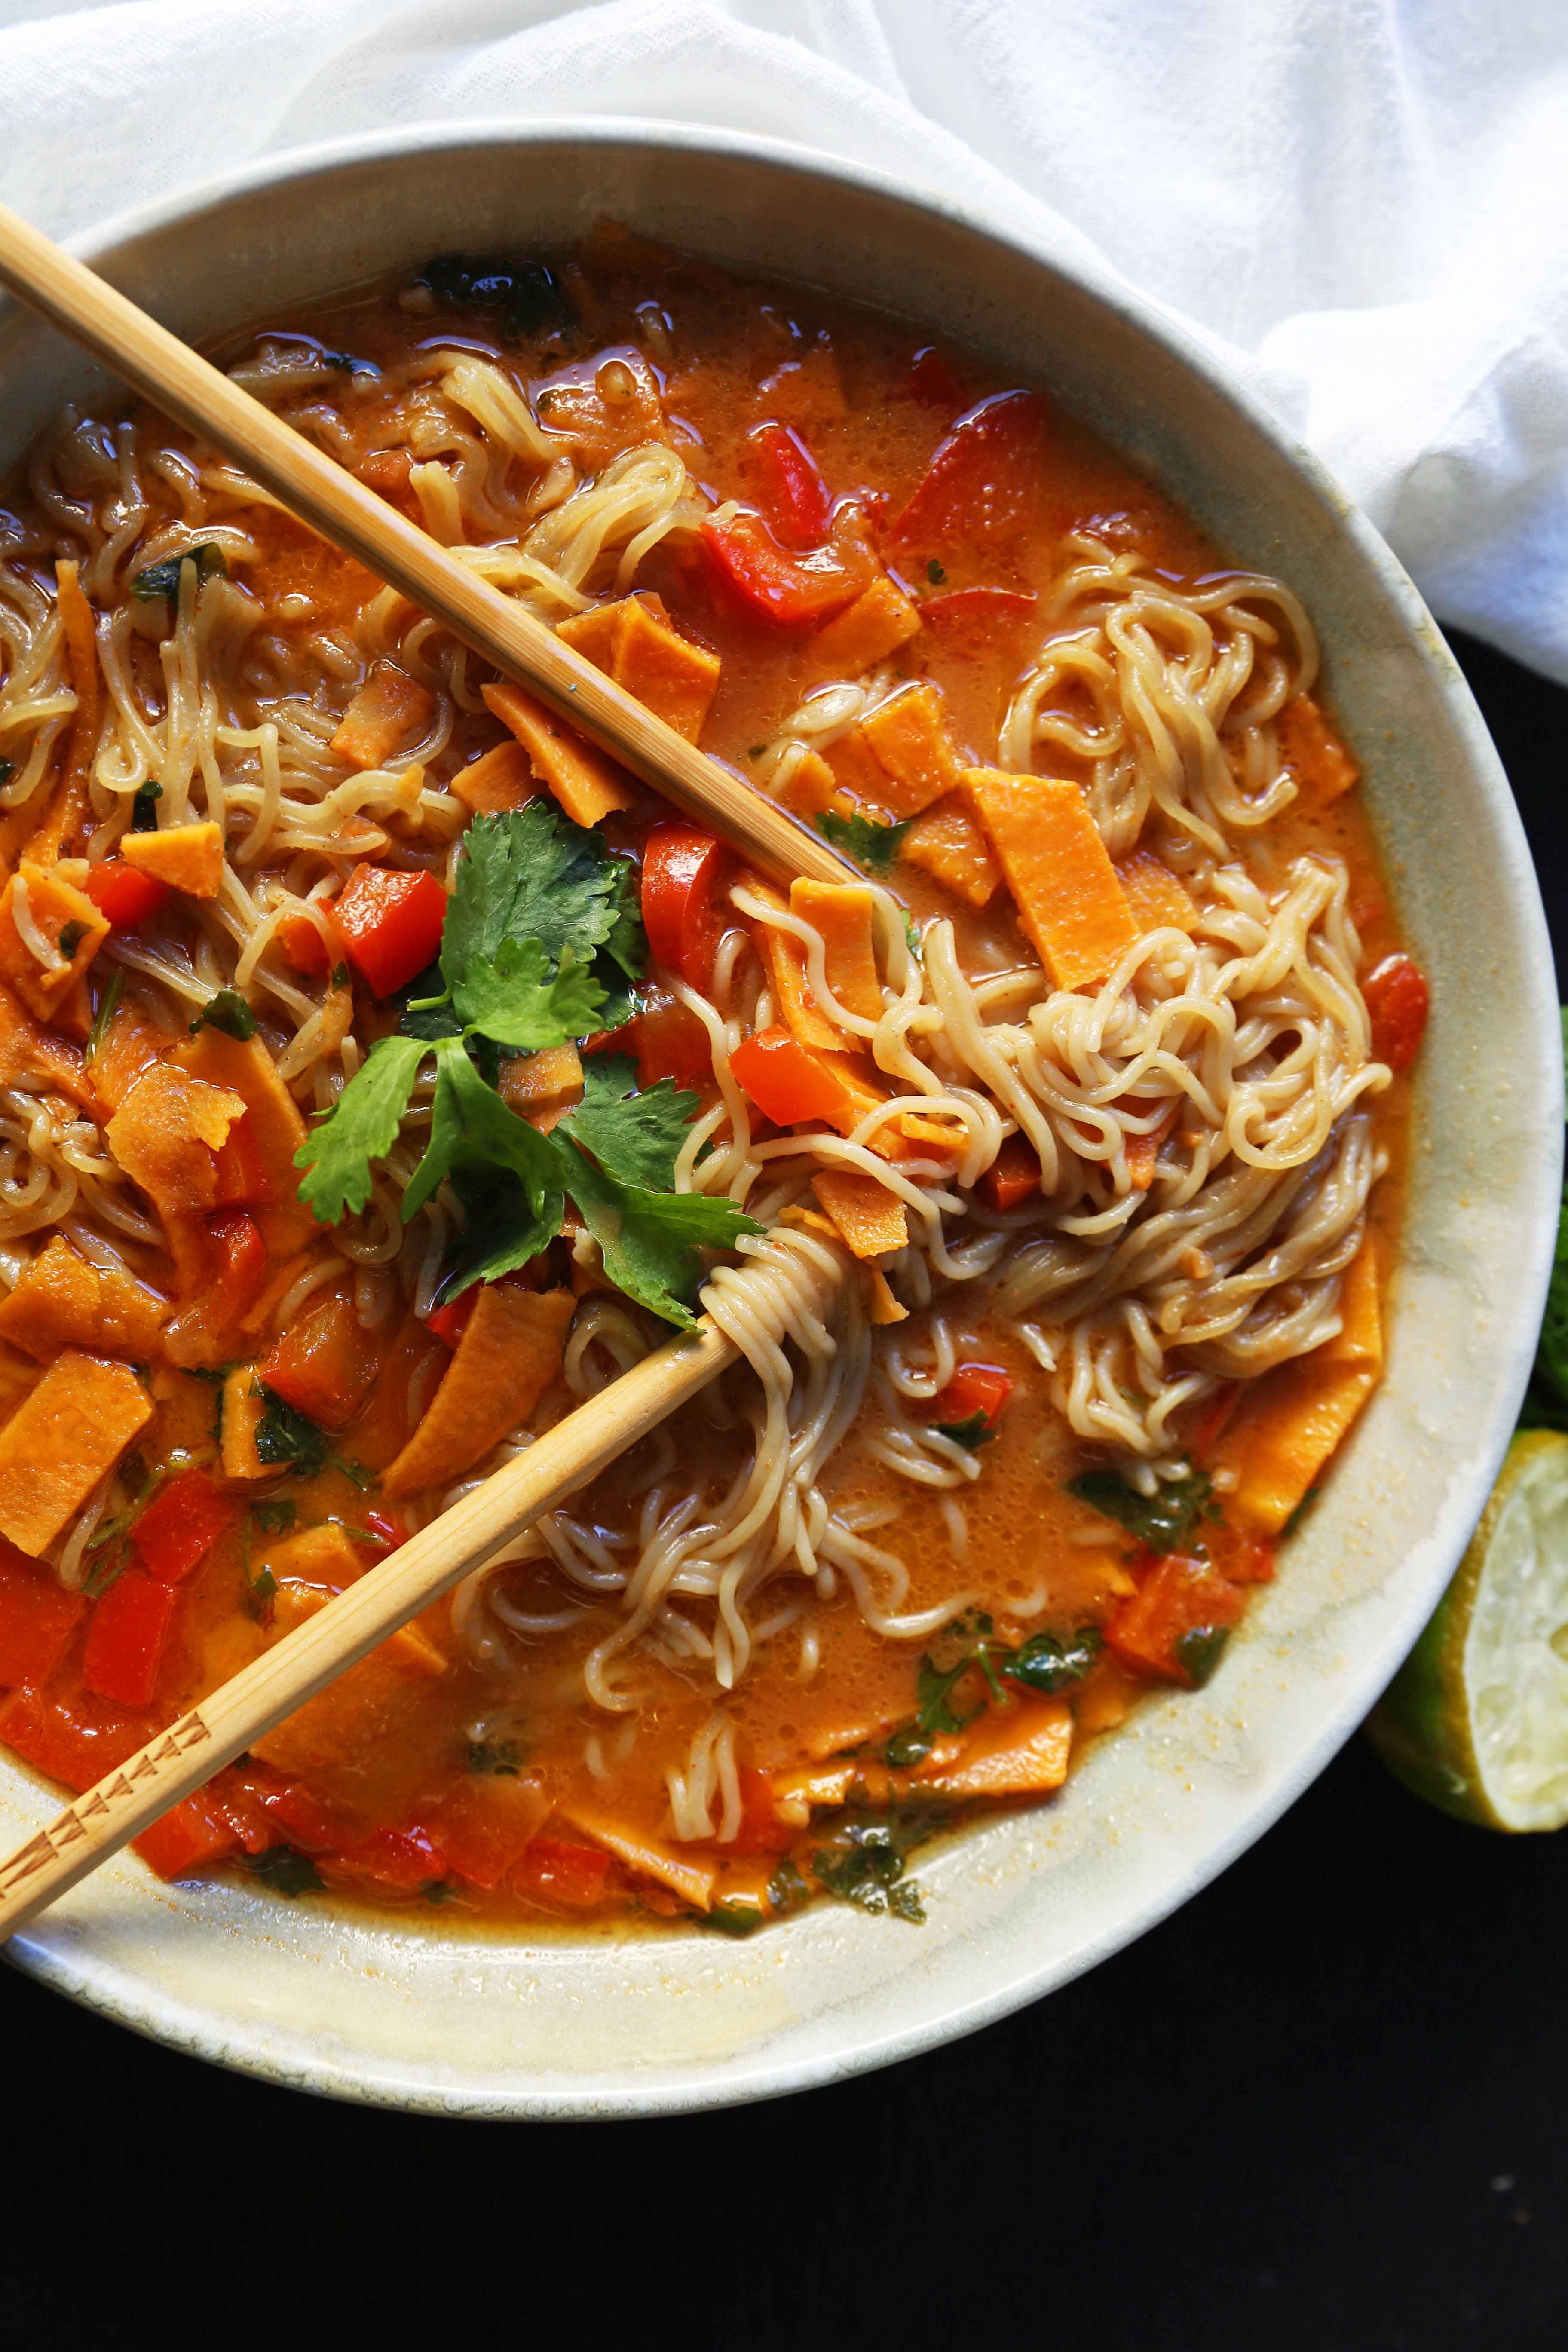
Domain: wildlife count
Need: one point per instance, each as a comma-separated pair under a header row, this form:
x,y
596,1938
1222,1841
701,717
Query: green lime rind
x,y
1487,1657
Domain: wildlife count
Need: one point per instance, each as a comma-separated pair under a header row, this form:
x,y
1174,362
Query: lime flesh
x,y
1476,1718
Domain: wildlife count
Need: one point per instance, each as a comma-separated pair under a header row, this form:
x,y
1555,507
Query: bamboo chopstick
x,y
179,1759
326,497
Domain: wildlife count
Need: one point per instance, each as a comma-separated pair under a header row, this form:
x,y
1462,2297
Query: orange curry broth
x,y
380,1782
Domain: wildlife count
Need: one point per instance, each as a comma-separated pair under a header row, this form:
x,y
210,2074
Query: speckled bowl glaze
x,y
511,2027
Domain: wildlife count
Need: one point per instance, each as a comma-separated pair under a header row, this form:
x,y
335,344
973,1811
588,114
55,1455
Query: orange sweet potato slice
x,y
876,624
1069,902
62,1301
588,785
866,1214
637,646
842,913
387,707
509,1352
34,1056
1156,897
1295,1418
243,1067
949,842
500,780
909,741
37,906
188,858
66,1436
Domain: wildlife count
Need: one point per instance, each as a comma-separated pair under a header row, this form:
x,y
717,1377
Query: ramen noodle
x,y
385,1070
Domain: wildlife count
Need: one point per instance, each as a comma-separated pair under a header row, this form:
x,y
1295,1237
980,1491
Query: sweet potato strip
x,y
843,913
634,643
61,1301
949,842
784,959
509,1352
810,786
378,1701
166,1134
132,1044
1156,897
1020,1751
647,1855
876,624
66,1437
387,707
243,1067
909,741
37,906
869,1218
70,811
188,858
1296,1417
499,780
1314,753
33,1056
588,785
1069,902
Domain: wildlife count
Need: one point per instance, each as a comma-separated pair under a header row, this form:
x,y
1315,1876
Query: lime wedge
x,y
1476,1718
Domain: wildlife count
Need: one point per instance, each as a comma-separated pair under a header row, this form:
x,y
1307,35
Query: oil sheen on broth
x,y
384,1071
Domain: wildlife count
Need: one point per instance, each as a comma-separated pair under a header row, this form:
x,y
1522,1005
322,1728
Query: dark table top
x,y
1323,2107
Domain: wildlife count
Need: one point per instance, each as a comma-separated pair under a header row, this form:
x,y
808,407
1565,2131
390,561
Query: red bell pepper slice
x,y
684,911
1210,1429
37,1618
54,1742
244,1180
189,1836
126,1638
324,1365
982,1389
124,896
181,1525
784,1079
390,924
1014,1175
1398,999
552,1871
1177,1623
985,479
241,1260
778,586
979,618
403,1859
671,1043
448,1323
786,481
931,379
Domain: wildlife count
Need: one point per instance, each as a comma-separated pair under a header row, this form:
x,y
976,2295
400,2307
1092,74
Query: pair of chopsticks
x,y
160,367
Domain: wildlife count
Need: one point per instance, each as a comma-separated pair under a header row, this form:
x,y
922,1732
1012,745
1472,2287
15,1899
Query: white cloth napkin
x,y
1362,205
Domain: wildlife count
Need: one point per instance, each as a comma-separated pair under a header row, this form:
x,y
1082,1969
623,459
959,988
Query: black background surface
x,y
1324,2107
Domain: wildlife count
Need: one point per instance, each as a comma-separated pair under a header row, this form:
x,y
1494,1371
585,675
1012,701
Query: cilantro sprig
x,y
870,844
541,943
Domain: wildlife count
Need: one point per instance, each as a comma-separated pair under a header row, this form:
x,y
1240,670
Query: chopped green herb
x,y
1162,1520
864,1863
1044,1664
274,1517
285,1872
787,1890
503,1759
437,1890
339,975
727,1919
345,363
935,573
96,1583
161,582
285,1440
974,1433
70,939
756,750
145,807
912,935
1301,1511
908,1748
7,770
872,846
105,1014
528,293
1198,1652
226,1011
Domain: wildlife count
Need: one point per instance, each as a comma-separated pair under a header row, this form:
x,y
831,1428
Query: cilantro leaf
x,y
502,1229
1162,1520
1045,1663
516,1001
532,875
418,1016
226,1011
160,582
974,1433
360,1127
472,1129
638,1136
284,1870
871,844
285,1440
650,1240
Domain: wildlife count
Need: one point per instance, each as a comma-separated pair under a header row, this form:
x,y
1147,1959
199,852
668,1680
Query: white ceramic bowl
x,y
431,2019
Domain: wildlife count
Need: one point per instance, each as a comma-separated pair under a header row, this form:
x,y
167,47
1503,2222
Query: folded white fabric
x,y
1362,206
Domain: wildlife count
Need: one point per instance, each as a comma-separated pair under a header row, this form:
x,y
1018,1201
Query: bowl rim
x,y
719,2082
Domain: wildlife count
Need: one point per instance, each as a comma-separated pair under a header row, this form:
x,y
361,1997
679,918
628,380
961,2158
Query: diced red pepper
x,y
390,924
786,589
448,1323
241,1260
1211,1427
405,1859
125,897
303,945
985,479
483,1843
244,1180
181,1525
761,1830
973,1388
307,1820
684,909
37,1618
977,619
125,1640
1177,1623
389,1525
189,1836
1240,1558
671,1043
784,478
784,1079
324,1365
554,1872
1398,999
60,1745
1014,1175
931,379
